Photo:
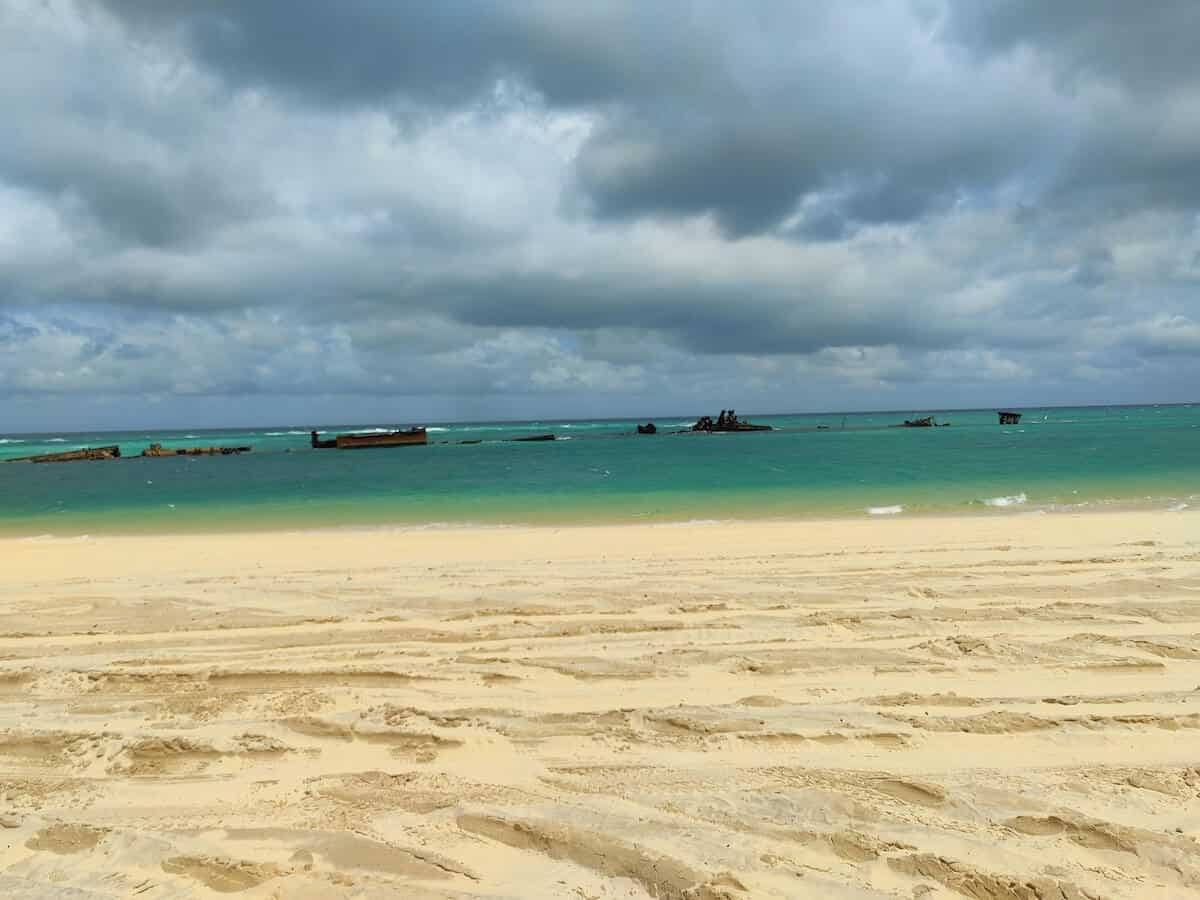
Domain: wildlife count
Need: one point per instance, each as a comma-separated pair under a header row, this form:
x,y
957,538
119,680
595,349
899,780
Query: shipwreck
x,y
155,450
727,421
84,454
356,441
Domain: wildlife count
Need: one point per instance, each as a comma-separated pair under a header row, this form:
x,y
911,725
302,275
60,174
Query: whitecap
x,y
1177,507
435,428
884,510
56,441
1011,500
11,441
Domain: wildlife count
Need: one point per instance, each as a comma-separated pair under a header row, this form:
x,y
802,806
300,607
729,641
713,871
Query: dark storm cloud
x,y
431,52
739,111
1150,46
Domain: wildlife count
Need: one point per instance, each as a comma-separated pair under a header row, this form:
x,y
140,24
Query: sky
x,y
293,211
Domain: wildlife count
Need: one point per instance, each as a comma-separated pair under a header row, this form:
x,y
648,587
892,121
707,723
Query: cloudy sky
x,y
294,210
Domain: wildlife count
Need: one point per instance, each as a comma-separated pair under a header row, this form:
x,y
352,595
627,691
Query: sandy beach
x,y
991,707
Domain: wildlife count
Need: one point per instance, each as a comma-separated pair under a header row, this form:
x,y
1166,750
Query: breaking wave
x,y
12,441
1011,500
884,510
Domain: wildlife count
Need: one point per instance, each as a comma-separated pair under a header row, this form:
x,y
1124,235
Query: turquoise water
x,y
599,471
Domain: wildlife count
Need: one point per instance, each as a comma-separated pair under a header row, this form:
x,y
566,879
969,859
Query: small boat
x,y
84,454
409,438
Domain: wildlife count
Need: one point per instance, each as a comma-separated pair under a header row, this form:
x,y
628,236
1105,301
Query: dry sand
x,y
993,707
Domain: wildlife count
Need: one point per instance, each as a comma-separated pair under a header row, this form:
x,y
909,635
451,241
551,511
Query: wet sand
x,y
991,707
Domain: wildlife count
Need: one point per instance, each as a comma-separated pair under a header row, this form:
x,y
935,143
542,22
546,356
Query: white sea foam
x,y
11,441
884,510
56,441
1177,507
435,428
1011,500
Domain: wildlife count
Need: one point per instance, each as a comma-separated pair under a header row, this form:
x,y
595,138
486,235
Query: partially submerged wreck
x,y
925,422
648,428
84,454
409,438
1009,418
727,421
159,450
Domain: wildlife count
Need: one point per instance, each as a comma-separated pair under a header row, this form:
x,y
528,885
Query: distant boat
x,y
1010,418
409,438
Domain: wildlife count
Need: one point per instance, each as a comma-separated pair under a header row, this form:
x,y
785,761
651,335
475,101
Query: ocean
x,y
599,471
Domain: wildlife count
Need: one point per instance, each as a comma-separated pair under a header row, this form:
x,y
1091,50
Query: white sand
x,y
992,707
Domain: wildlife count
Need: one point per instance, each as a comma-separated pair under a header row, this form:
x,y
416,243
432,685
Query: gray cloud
x,y
581,205
1149,47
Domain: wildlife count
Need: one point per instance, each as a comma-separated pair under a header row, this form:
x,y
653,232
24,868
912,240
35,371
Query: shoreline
x,y
1019,526
971,512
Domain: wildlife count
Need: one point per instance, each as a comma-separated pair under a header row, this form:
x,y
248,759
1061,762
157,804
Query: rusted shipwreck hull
x,y
409,438
925,422
706,424
160,450
741,426
84,454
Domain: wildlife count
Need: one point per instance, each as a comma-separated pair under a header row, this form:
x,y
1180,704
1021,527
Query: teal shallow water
x,y
1056,459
